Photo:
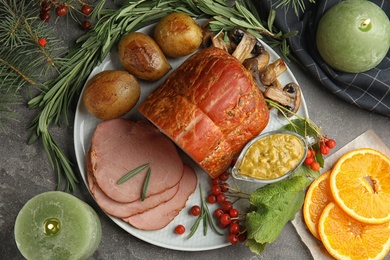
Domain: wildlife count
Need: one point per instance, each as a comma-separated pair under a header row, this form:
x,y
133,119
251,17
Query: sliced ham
x,y
124,210
119,146
210,107
160,216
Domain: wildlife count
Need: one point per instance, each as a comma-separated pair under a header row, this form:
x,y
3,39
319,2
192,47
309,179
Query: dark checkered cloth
x,y
369,90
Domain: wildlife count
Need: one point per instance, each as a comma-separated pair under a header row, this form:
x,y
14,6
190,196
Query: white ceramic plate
x,y
84,128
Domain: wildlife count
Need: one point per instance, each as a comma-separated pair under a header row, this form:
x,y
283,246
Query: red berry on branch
x,y
309,153
309,161
211,199
86,25
221,198
227,205
233,213
315,166
233,238
331,143
234,221
324,149
215,189
215,181
195,210
224,187
86,9
45,6
224,176
225,219
44,16
180,229
218,213
242,237
234,228
42,42
61,10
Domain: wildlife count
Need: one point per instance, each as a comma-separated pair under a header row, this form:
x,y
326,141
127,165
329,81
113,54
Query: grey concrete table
x,y
25,172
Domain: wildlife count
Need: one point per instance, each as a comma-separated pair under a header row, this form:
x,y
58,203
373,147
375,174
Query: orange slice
x,y
317,197
347,238
360,185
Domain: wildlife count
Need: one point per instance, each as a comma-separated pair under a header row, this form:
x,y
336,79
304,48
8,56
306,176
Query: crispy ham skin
x,y
160,216
210,107
120,146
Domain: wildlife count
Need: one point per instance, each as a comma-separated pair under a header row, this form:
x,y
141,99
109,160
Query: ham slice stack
x,y
210,107
119,146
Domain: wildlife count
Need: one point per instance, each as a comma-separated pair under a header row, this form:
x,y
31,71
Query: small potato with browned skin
x,y
111,94
140,55
178,34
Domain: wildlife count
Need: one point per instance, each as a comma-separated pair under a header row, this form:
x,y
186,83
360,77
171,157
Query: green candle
x,y
353,36
57,225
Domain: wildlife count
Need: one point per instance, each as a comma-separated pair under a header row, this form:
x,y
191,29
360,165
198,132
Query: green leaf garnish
x,y
274,205
146,184
132,173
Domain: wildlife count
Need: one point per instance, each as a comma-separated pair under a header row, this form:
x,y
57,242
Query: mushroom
x,y
246,44
216,40
276,83
255,64
289,97
251,65
263,60
272,71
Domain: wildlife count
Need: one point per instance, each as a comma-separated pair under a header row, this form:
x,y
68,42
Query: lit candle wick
x,y
364,24
51,226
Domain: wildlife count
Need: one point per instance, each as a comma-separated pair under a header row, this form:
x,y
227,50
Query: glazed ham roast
x,y
210,107
119,146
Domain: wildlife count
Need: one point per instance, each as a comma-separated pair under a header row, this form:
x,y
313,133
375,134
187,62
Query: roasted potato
x,y
111,93
140,55
178,34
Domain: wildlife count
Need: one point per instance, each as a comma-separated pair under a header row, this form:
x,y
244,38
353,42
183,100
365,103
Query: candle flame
x,y
366,22
51,227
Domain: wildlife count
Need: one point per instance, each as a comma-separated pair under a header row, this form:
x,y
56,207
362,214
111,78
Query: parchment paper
x,y
368,139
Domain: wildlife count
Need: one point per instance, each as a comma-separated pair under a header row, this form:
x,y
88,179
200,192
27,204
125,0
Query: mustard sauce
x,y
272,156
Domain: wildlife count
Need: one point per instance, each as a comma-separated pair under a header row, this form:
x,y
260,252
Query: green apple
x,y
353,36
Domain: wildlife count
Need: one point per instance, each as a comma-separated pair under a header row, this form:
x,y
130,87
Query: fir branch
x,y
22,60
297,5
7,99
8,79
12,16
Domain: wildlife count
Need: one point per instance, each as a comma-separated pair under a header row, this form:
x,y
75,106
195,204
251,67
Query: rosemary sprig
x,y
204,216
132,173
145,185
